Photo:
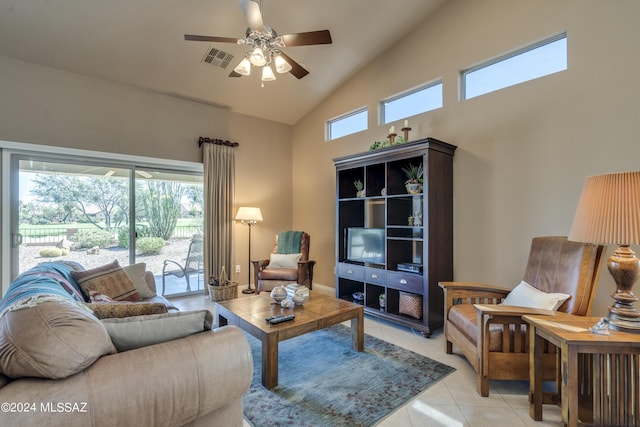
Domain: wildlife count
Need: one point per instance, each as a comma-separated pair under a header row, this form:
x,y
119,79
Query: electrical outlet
x,y
237,268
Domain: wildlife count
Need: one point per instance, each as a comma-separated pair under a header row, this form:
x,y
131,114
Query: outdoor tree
x,y
101,201
161,201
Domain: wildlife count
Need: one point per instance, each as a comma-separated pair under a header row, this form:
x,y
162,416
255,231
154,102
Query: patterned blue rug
x,y
323,382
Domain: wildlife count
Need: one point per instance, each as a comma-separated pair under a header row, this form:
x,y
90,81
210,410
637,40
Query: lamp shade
x,y
257,57
282,66
249,214
243,68
609,210
267,74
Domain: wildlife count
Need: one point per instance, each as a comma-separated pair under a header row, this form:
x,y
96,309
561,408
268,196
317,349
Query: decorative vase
x,y
360,194
286,303
278,293
413,187
298,297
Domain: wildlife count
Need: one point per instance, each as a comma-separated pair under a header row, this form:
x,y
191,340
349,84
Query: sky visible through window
x,y
420,101
540,61
346,125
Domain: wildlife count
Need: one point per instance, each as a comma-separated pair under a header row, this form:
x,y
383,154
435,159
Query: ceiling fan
x,y
265,45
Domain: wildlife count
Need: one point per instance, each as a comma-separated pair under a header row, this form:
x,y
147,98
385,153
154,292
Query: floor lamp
x,y
249,216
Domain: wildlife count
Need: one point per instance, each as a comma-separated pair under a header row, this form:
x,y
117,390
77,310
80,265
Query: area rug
x,y
323,382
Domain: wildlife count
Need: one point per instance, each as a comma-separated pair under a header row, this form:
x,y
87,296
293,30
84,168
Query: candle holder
x,y
406,133
392,138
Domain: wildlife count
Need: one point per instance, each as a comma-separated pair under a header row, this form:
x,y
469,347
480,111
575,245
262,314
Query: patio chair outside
x,y
192,264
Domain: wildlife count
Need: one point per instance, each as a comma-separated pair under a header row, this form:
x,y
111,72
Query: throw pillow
x,y
122,309
284,260
53,339
141,331
95,296
110,280
525,295
136,273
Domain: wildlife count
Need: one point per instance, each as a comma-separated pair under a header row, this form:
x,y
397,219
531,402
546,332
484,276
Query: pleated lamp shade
x,y
609,210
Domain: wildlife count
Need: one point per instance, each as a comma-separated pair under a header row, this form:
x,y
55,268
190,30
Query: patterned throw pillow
x,y
95,296
126,309
110,280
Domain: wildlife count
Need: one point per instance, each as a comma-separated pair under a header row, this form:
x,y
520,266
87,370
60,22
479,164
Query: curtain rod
x,y
203,140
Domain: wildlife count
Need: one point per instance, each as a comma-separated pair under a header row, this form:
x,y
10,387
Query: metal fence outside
x,y
53,235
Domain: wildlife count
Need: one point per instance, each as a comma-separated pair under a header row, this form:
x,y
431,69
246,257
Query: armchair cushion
x,y
284,260
279,274
465,317
525,295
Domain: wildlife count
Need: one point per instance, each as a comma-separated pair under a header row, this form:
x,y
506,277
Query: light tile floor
x,y
451,402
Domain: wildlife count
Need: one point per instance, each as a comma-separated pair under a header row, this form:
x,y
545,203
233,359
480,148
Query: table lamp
x,y
609,213
249,216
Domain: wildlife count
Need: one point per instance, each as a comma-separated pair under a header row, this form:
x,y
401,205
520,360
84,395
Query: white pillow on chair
x,y
284,260
525,295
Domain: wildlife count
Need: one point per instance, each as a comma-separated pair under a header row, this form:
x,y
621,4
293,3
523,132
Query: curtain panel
x,y
219,196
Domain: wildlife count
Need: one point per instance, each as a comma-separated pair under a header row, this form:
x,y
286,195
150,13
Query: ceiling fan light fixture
x,y
257,57
267,74
243,68
282,66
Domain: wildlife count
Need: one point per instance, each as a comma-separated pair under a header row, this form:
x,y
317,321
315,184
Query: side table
x,y
599,374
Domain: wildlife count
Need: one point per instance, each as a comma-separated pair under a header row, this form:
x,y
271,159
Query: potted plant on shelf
x,y
414,180
359,188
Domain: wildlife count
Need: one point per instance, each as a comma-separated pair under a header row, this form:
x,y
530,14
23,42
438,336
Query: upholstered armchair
x,y
288,263
493,336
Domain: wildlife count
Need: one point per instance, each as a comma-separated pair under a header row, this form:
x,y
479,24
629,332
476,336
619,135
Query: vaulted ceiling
x,y
141,43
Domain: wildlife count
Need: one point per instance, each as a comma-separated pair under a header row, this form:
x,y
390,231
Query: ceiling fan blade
x,y
191,37
234,74
253,14
306,39
296,69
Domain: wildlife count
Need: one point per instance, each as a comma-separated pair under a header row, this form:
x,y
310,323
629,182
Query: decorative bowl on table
x,y
278,293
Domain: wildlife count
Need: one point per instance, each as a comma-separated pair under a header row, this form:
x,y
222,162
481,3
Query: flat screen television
x,y
365,245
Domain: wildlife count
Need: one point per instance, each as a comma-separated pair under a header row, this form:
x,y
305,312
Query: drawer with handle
x,y
350,271
405,281
375,275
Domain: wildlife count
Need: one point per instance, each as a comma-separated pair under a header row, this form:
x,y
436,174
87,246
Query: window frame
x,y
507,56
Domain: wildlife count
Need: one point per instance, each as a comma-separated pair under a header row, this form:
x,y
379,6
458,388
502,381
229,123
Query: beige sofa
x,y
62,366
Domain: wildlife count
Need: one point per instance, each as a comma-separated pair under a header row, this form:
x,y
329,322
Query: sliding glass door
x,y
93,212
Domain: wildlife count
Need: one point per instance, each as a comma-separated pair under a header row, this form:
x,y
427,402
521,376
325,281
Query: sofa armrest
x,y
172,383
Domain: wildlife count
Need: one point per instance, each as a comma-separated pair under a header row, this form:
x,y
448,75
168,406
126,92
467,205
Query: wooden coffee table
x,y
321,311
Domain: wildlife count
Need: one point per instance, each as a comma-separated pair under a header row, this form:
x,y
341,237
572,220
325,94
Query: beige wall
x,y
44,106
523,152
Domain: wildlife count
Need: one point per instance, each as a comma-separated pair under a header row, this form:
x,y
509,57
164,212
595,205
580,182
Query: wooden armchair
x,y
493,337
268,274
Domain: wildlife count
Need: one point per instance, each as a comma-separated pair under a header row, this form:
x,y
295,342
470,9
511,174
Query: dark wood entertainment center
x,y
417,252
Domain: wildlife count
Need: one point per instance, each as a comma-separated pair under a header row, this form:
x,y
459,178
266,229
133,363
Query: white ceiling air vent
x,y
217,57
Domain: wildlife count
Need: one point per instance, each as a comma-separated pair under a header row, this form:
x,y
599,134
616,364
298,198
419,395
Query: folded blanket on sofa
x,y
48,281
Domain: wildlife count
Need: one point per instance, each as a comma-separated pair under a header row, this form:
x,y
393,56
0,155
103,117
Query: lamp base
x,y
624,324
248,291
624,266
